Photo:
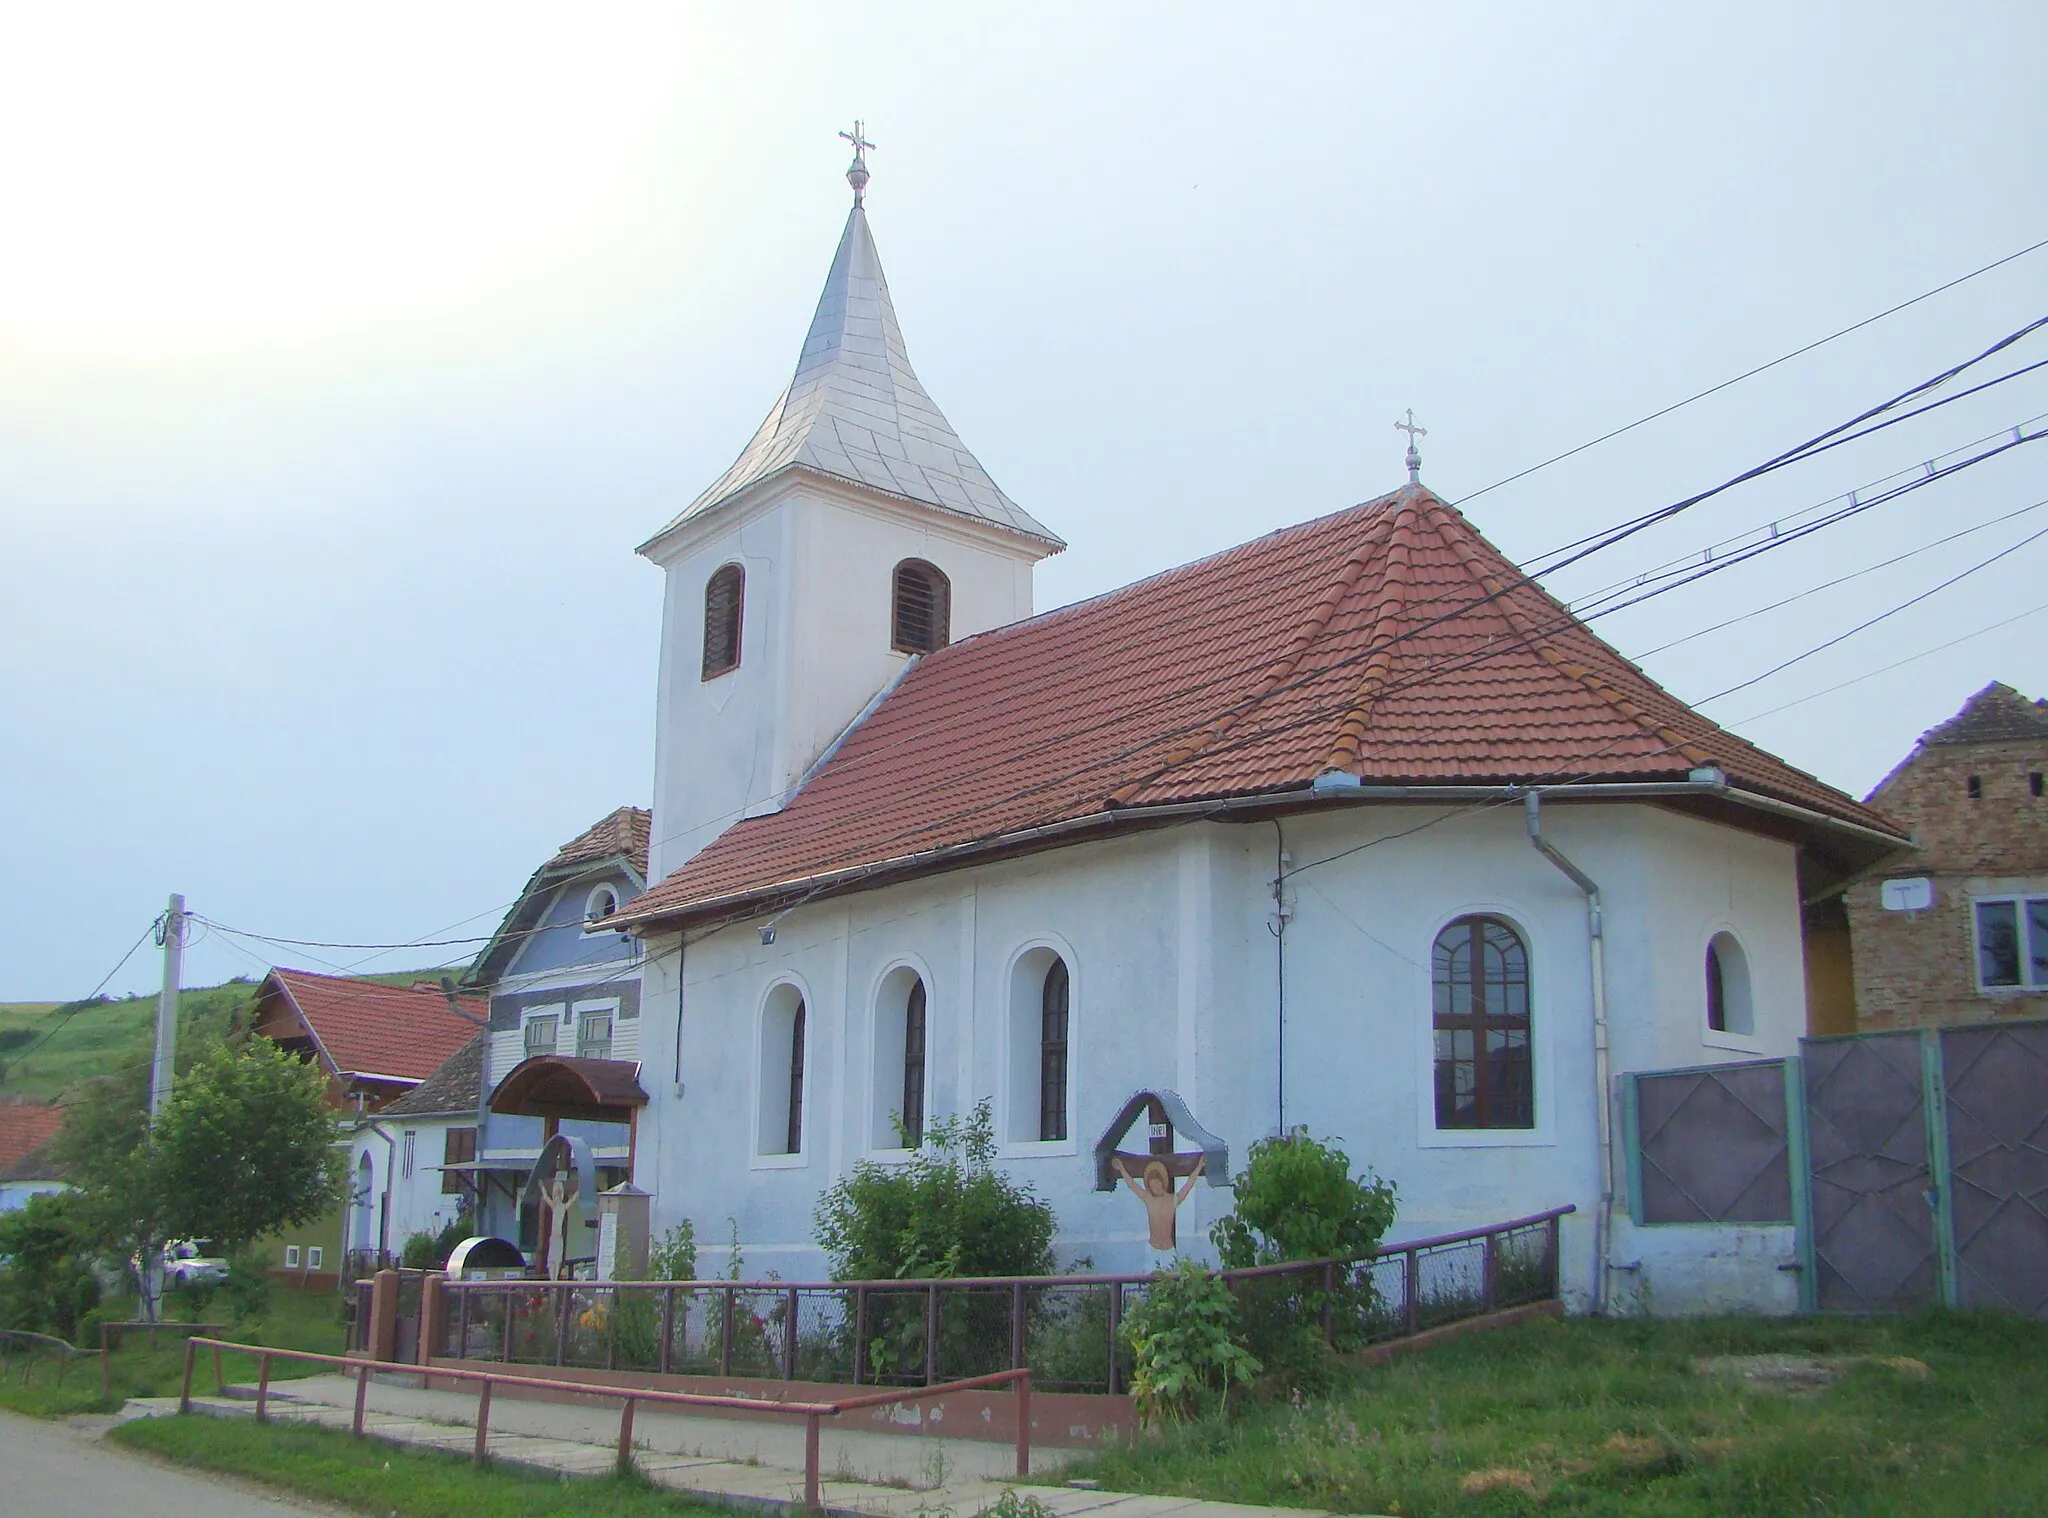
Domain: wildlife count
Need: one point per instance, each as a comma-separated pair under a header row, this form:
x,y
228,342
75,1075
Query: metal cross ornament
x,y
1414,431
857,174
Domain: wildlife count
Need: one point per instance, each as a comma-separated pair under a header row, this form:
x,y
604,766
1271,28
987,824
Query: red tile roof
x,y
621,833
1351,642
24,1128
368,1029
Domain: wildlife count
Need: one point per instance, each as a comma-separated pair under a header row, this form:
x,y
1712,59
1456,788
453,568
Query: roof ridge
x,y
1306,635
1466,546
1395,581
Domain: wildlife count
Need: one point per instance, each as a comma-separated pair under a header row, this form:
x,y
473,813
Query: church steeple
x,y
856,411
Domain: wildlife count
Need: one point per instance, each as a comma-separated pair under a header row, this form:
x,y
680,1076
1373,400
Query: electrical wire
x,y
1786,358
91,998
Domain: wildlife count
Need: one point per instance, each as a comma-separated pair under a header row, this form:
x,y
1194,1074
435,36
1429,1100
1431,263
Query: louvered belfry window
x,y
725,596
923,614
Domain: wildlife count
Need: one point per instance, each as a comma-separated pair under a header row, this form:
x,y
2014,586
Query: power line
x,y
1873,621
1785,358
91,998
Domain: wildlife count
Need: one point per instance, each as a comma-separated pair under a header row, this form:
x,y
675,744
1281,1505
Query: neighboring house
x,y
1958,932
564,992
374,1043
1258,829
407,1147
26,1129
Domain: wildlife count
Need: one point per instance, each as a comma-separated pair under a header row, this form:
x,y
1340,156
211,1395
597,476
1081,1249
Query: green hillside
x,y
46,1048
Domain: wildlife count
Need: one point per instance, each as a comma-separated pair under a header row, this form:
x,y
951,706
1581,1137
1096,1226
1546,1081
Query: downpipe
x,y
1597,952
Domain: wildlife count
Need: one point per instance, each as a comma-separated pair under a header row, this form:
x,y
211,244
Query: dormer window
x,y
921,621
725,595
602,903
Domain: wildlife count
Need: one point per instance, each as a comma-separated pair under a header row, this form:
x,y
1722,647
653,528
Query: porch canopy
x,y
557,1086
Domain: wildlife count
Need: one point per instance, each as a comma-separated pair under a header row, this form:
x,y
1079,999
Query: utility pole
x,y
161,1069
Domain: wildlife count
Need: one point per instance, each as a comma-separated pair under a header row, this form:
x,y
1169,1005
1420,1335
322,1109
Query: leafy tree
x,y
246,1146
46,1278
947,1212
103,1150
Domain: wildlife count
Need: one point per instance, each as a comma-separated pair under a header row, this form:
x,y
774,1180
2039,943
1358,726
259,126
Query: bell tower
x,y
854,533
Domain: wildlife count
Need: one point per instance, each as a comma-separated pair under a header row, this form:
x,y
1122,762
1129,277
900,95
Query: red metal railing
x,y
811,1412
1065,1328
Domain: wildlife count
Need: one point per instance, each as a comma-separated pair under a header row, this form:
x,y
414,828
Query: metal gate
x,y
1996,1083
1873,1239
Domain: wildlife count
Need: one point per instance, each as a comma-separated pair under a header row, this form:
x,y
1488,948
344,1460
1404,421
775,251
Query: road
x,y
51,1471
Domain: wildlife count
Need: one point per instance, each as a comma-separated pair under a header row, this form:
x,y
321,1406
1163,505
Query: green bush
x,y
47,1284
673,1256
246,1290
1184,1343
945,1213
1296,1199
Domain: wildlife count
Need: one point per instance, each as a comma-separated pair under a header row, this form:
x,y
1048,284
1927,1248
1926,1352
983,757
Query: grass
x,y
372,1477
295,1320
1596,1418
86,1039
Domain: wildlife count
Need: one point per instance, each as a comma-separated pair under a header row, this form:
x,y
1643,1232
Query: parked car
x,y
188,1263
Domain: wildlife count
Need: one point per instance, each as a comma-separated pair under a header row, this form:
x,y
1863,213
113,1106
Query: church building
x,y
1352,827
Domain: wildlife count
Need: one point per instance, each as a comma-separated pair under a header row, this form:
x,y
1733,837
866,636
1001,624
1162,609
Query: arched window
x,y
1484,1073
913,1067
725,595
795,1132
1729,1009
1052,1054
782,1073
921,620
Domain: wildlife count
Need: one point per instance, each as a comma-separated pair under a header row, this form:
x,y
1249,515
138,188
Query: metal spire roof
x,y
855,409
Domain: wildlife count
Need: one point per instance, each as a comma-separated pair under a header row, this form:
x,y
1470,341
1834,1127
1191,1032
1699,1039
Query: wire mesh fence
x,y
1065,1329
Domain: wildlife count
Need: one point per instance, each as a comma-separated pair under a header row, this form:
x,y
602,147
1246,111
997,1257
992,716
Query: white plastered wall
x,y
1175,982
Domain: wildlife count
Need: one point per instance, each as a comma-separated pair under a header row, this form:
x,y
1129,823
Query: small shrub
x,y
246,1291
1298,1200
1184,1345
673,1256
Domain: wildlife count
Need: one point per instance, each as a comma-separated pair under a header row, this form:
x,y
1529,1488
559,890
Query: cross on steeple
x,y
857,174
1414,431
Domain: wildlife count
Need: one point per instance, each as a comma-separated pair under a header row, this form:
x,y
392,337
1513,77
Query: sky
x,y
346,355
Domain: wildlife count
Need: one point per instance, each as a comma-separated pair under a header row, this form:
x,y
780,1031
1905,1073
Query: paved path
x,y
752,1463
50,1471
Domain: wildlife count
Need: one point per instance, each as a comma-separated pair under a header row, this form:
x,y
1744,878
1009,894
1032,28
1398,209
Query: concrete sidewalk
x,y
744,1462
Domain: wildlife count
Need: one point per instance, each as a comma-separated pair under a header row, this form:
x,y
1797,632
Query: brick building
x,y
1958,932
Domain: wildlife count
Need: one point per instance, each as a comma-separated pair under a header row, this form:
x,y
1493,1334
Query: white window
x,y
1729,1009
540,1035
594,1036
314,1254
406,1147
291,1257
602,902
2012,942
781,1102
902,1067
1041,1023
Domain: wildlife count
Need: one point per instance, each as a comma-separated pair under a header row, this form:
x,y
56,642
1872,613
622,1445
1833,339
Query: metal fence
x,y
1064,1329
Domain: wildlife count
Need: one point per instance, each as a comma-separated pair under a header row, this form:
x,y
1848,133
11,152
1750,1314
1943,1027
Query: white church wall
x,y
1174,978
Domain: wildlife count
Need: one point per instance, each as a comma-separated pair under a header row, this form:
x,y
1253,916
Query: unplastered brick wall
x,y
1987,838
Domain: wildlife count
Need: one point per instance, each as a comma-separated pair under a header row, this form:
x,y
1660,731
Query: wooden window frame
x,y
725,620
939,613
1507,1080
584,1042
1054,1022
